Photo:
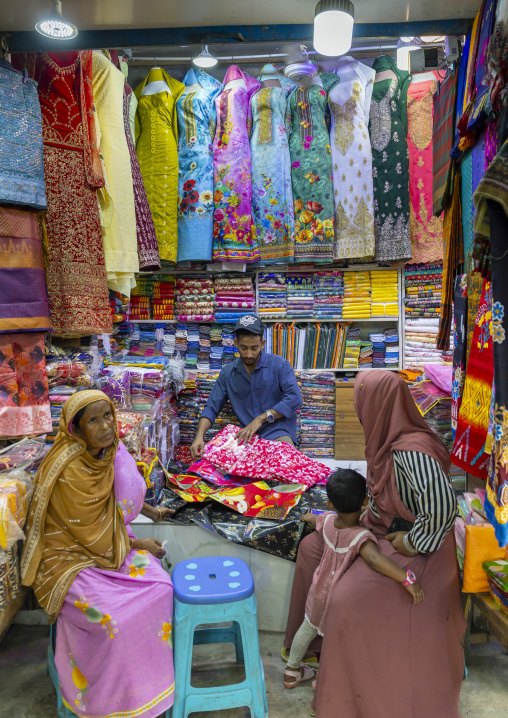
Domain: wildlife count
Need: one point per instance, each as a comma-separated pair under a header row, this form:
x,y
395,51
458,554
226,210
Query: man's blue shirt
x,y
272,385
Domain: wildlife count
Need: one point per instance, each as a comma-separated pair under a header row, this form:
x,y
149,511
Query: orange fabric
x,y
481,545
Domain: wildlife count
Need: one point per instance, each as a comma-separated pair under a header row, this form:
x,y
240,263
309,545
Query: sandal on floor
x,y
302,674
312,661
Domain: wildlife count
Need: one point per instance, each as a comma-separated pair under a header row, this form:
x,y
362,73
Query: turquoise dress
x,y
272,195
196,131
311,171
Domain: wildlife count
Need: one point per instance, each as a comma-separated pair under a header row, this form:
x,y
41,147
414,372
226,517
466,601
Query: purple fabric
x,y
148,249
114,647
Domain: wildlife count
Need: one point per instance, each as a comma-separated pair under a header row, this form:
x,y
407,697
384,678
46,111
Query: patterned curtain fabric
x,y
443,134
452,258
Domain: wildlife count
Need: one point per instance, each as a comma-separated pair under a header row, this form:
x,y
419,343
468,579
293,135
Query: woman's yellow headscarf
x,y
73,522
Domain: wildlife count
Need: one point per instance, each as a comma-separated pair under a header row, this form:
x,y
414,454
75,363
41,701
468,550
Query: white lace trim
x,y
341,550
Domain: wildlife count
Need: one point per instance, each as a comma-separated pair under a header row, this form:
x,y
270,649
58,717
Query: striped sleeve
x,y
426,490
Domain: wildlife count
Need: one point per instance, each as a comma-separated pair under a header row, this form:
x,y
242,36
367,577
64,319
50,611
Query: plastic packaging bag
x,y
15,493
115,382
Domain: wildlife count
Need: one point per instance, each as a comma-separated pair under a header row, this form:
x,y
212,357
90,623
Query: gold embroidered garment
x,y
352,161
73,521
426,230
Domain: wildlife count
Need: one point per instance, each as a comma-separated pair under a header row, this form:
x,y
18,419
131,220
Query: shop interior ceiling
x,y
163,23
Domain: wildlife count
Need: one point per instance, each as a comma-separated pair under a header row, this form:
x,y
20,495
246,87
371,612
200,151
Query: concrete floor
x,y
27,692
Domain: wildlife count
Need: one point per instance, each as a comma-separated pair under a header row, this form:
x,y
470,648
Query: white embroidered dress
x,y
352,160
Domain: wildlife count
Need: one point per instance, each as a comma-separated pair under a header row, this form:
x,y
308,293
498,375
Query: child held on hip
x,y
344,538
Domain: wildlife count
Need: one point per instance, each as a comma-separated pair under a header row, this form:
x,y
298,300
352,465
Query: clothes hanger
x,y
156,86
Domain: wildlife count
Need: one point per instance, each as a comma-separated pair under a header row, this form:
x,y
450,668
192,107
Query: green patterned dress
x,y
311,171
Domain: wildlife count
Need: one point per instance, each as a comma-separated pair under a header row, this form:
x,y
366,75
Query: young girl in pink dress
x,y
344,539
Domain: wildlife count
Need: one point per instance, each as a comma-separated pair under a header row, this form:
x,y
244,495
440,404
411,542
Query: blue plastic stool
x,y
61,709
216,590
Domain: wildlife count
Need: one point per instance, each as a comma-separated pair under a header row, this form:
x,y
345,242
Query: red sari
x,y
75,271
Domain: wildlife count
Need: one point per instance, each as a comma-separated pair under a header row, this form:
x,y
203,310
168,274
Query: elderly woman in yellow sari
x,y
113,600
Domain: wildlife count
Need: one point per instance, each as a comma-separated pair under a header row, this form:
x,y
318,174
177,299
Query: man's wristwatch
x,y
269,416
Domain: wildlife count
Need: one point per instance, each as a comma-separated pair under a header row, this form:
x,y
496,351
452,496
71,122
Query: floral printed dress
x,y
352,161
311,171
114,641
196,131
272,196
390,163
234,234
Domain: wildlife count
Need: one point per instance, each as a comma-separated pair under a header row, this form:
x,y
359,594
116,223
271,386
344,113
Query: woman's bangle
x,y
160,514
131,543
407,545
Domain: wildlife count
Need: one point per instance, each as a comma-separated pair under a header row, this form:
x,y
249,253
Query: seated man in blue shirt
x,y
262,389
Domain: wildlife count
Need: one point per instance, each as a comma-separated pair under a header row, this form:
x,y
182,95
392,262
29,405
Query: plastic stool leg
x,y
252,658
184,640
238,642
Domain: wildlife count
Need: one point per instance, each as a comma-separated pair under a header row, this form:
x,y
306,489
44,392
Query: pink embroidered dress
x,y
114,642
234,233
341,547
426,230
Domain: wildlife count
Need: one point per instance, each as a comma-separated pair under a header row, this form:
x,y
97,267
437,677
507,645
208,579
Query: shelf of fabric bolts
x,y
301,320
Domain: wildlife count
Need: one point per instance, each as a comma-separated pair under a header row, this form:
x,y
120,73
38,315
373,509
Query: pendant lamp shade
x,y
333,27
204,59
55,25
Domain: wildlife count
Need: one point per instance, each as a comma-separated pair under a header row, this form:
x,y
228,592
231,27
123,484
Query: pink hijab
x,y
236,73
391,422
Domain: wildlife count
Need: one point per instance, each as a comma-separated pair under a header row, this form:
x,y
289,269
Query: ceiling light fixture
x,y
333,27
404,47
204,59
55,25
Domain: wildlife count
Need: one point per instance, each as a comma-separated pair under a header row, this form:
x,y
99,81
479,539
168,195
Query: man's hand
x,y
151,545
309,519
397,542
197,448
246,434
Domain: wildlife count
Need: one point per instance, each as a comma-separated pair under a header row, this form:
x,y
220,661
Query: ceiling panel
x,y
119,14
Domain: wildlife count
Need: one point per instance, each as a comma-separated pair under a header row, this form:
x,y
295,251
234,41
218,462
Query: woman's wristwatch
x,y
410,579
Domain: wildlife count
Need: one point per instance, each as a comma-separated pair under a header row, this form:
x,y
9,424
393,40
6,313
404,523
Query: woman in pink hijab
x,y
383,656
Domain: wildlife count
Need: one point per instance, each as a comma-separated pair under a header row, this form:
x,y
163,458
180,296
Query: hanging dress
x,y
118,220
272,195
390,163
196,131
156,147
75,269
234,234
311,171
426,230
148,249
352,161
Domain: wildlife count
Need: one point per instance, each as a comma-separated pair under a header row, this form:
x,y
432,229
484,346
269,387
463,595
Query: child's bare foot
x,y
294,676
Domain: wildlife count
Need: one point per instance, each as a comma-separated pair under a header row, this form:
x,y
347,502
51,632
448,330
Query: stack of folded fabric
x,y
357,300
378,350
328,294
420,341
164,298
216,348
194,299
169,340
230,352
272,295
392,348
141,296
235,297
316,417
366,351
385,293
300,294
191,402
423,284
353,348
119,305
191,357
181,340
143,337
123,335
204,348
